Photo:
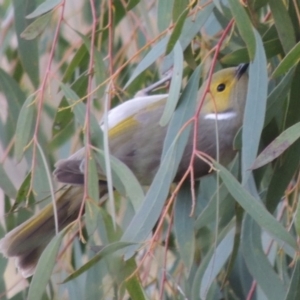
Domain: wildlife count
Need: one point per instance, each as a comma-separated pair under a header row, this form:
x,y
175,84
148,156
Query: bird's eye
x,y
221,87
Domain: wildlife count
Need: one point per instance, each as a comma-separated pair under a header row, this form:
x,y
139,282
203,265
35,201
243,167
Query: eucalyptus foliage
x,y
241,239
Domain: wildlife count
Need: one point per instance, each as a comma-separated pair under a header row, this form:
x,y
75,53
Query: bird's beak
x,y
240,70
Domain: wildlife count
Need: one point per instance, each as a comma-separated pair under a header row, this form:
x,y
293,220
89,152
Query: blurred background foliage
x,y
241,241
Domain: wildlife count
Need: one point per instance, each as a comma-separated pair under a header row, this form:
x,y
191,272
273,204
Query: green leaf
x,y
43,8
80,56
191,28
91,208
6,184
143,222
244,25
278,146
208,259
297,219
133,284
107,250
174,86
290,60
184,226
28,50
255,106
23,191
11,90
35,28
25,124
149,59
44,268
63,127
290,160
254,208
179,6
208,214
165,16
123,179
277,97
131,4
176,31
257,261
216,263
293,292
79,111
272,48
100,73
283,24
3,265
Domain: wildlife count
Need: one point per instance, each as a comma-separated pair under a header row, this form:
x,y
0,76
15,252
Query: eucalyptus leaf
x,y
255,106
24,130
6,183
28,49
107,250
176,31
143,222
278,146
174,86
244,25
44,268
283,24
184,226
290,60
43,8
293,292
35,28
257,261
254,208
207,260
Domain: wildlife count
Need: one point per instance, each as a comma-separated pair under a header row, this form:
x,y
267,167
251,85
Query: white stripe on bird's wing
x,y
130,108
221,116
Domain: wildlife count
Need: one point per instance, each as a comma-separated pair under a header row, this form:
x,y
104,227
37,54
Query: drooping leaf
x,y
278,146
44,268
254,208
16,97
28,50
255,106
123,179
165,16
244,25
35,28
174,86
107,250
6,184
293,292
225,234
184,226
283,24
25,124
145,219
290,60
176,31
257,261
216,263
290,160
43,8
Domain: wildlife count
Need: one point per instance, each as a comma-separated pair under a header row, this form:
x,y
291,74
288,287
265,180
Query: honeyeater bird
x,y
136,138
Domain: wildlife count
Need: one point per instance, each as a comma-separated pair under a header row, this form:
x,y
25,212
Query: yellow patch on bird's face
x,y
221,87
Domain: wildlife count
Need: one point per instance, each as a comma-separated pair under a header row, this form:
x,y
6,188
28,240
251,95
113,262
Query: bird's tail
x,y
27,241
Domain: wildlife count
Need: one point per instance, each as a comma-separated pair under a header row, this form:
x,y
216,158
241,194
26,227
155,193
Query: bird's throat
x,y
228,115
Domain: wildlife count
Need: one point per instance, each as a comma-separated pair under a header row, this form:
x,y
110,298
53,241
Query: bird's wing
x,y
123,120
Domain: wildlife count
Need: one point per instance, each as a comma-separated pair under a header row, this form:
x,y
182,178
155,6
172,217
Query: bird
x,y
136,138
